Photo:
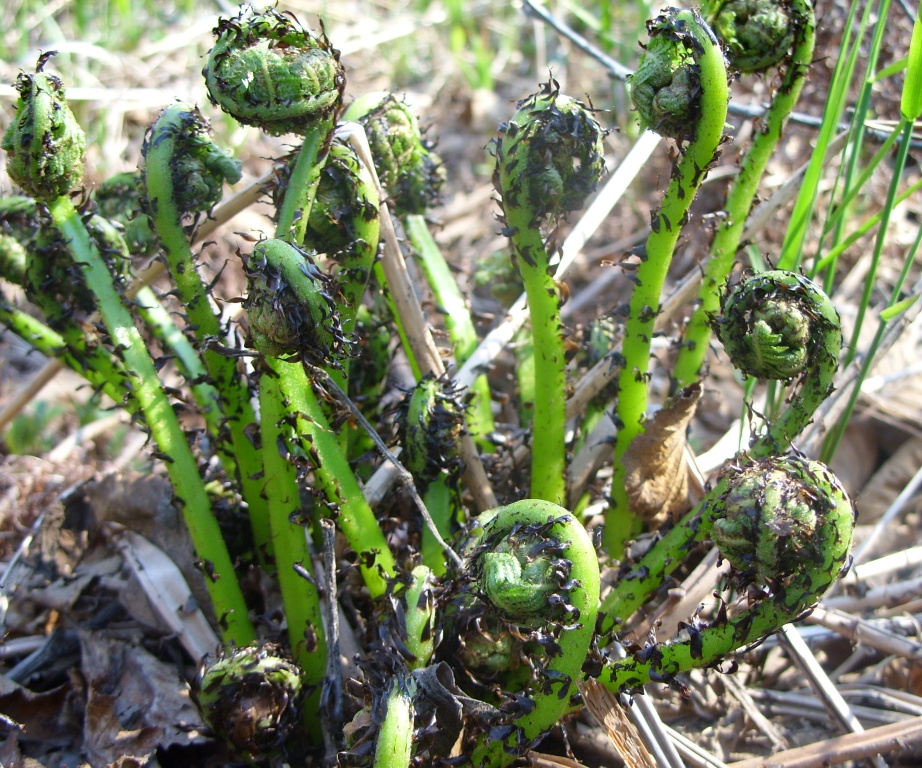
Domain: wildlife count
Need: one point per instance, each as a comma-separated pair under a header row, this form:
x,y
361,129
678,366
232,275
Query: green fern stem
x,y
537,567
353,515
421,614
548,161
696,338
221,580
160,323
302,184
101,369
677,38
394,748
300,597
179,158
292,318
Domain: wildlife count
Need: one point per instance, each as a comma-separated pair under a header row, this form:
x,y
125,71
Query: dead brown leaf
x,y
657,479
134,702
48,720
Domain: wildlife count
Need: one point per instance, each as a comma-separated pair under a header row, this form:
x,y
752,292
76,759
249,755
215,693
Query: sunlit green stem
x,y
302,184
301,600
103,371
726,242
160,323
158,413
548,161
178,127
353,515
420,612
699,51
395,738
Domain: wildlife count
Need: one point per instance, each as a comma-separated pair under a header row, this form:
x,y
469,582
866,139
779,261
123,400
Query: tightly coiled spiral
x,y
780,326
758,34
45,143
550,157
780,516
409,170
268,71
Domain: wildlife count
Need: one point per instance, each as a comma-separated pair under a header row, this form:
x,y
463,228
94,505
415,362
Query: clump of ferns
x,y
500,632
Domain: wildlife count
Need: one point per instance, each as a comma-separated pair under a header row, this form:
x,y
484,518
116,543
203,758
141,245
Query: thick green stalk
x,y
353,516
158,413
785,525
548,161
395,737
301,600
537,567
160,323
302,184
292,318
680,88
726,242
176,140
344,223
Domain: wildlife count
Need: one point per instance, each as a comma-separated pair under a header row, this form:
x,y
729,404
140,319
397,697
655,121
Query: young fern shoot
x,y
548,161
680,90
776,325
537,568
785,525
780,326
183,173
760,34
44,117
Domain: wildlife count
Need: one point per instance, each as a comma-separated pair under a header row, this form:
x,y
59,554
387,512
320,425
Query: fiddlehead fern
x,y
251,698
182,174
536,567
266,70
786,525
407,167
680,89
758,34
291,306
344,224
780,326
44,121
430,422
795,54
292,317
548,161
44,142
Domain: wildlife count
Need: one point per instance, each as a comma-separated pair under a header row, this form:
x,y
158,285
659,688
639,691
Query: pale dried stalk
x,y
890,595
412,318
840,749
865,633
824,688
759,720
